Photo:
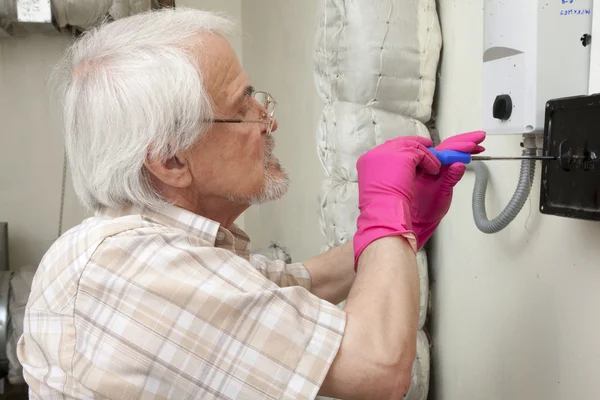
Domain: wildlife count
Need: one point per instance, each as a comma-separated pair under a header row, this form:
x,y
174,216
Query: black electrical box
x,y
570,186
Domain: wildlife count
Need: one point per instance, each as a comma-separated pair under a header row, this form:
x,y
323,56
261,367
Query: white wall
x,y
31,145
515,313
278,50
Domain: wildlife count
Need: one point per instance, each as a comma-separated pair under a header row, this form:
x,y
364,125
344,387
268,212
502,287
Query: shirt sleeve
x,y
159,317
280,273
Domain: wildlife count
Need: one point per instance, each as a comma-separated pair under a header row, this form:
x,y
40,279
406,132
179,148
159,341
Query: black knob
x,y
502,107
586,39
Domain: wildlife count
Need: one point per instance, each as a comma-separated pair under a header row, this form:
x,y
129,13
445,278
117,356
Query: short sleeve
x,y
280,273
156,316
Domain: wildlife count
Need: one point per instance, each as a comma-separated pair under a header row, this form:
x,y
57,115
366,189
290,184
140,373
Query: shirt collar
x,y
234,238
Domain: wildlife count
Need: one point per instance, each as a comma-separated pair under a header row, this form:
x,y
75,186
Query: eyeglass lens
x,y
265,101
268,104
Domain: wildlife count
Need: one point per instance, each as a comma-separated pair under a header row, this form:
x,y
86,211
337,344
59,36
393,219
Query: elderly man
x,y
157,295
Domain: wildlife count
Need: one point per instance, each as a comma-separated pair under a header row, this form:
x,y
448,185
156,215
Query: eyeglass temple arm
x,y
239,121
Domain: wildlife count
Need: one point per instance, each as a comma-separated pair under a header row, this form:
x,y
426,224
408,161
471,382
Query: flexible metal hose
x,y
515,204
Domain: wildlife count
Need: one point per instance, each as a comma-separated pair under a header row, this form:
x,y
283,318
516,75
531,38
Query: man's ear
x,y
173,172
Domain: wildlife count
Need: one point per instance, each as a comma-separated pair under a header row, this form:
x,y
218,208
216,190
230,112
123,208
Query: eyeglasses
x,y
268,115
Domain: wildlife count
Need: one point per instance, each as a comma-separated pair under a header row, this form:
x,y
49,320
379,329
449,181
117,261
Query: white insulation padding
x,y
383,54
375,69
419,383
86,13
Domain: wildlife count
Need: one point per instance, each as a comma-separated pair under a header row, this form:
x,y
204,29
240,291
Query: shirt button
x,y
220,236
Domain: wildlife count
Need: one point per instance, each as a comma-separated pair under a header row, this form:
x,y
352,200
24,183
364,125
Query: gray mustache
x,y
270,145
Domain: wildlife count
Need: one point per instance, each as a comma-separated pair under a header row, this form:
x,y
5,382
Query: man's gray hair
x,y
133,89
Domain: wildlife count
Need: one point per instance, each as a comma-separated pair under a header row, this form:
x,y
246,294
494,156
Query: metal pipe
x,y
492,158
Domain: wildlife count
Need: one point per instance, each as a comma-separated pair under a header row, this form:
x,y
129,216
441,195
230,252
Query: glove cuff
x,y
382,219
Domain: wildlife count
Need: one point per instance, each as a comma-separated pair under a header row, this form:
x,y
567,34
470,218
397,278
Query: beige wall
x,y
31,148
515,313
31,145
278,49
232,8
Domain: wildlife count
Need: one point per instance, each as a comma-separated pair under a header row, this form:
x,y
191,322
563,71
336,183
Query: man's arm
x,y
332,273
379,345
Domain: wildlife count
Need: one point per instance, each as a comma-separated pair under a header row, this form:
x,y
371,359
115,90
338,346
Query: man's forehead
x,y
223,75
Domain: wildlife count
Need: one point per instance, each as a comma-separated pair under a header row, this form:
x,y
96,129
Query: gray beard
x,y
275,186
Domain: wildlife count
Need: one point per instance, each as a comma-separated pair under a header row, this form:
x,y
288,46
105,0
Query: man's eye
x,y
243,110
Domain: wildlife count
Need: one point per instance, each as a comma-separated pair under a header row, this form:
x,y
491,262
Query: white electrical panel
x,y
534,51
594,86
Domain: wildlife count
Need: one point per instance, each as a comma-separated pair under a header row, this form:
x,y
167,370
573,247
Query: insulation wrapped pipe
x,y
375,67
513,207
375,70
419,383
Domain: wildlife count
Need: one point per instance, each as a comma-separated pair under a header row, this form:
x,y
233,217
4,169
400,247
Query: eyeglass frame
x,y
270,118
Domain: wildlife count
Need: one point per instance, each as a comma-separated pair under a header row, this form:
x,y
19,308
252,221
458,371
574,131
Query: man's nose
x,y
274,128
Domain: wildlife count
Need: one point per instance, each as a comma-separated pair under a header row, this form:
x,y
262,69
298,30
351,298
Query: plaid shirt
x,y
141,304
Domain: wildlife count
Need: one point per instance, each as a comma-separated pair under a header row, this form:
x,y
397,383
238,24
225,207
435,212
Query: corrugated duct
x,y
375,69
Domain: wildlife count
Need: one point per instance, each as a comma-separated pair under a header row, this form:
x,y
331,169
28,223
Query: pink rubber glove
x,y
386,185
433,193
